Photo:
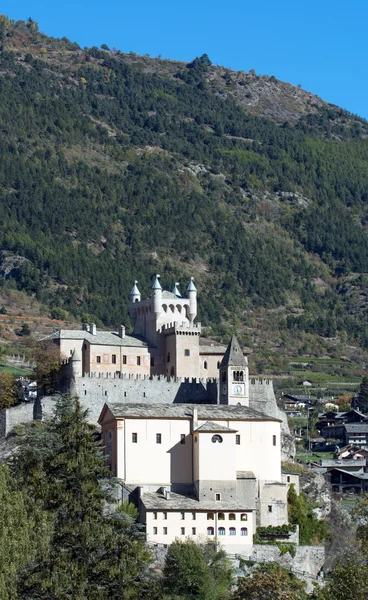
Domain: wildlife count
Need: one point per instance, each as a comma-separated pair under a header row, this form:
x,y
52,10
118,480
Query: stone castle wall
x,y
95,391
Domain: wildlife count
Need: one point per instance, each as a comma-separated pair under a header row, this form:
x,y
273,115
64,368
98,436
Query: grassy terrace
x,y
15,370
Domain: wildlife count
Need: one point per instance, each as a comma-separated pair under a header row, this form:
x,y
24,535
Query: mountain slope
x,y
117,166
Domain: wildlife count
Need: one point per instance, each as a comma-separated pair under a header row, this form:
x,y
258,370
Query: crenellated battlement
x,y
260,381
181,328
147,378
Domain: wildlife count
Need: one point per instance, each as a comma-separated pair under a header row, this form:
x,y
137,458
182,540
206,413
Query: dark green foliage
x,y
97,188
24,532
362,399
91,554
347,581
311,530
270,581
196,571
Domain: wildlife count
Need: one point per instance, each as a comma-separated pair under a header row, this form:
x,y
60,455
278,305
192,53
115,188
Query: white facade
x,y
193,464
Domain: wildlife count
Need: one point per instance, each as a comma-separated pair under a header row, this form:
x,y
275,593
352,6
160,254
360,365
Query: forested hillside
x,y
114,167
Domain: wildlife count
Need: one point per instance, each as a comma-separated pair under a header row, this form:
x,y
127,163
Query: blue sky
x,y
321,44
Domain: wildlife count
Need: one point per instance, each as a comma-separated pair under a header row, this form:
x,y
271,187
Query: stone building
x,y
195,441
204,471
165,340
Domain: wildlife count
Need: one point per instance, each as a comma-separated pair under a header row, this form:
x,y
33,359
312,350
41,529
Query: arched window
x,y
235,375
244,531
232,517
221,530
210,516
232,531
205,364
216,438
210,531
241,376
221,517
244,517
218,364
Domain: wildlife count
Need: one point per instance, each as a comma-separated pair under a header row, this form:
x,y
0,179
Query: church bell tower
x,y
234,377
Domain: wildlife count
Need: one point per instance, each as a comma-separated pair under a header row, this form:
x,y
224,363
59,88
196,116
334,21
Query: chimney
x,y
93,329
86,327
167,494
122,331
195,418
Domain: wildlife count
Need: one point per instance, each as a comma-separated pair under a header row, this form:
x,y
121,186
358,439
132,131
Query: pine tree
x,y
92,554
362,399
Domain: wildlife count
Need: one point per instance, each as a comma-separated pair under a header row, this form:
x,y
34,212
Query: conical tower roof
x,y
176,290
233,356
191,287
156,283
135,291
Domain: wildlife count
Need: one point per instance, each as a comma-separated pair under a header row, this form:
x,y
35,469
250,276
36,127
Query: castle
x,y
196,443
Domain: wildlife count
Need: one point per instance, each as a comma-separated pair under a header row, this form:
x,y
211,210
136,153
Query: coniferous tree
x,y
362,399
92,554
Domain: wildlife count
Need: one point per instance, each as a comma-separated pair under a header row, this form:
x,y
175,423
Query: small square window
x,y
182,530
182,438
274,440
113,358
134,438
218,497
155,531
124,359
158,438
138,361
165,530
182,516
155,515
164,515
194,516
98,359
186,352
269,508
288,478
194,531
237,440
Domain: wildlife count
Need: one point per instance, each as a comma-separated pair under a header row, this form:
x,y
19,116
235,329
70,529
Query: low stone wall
x,y
308,560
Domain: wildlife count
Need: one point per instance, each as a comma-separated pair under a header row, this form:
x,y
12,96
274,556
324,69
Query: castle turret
x,y
135,296
157,296
76,365
192,295
234,378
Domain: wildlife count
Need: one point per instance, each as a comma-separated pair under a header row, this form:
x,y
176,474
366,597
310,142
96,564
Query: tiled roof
x,y
185,411
155,501
357,475
102,338
211,426
211,349
233,356
344,462
356,427
166,294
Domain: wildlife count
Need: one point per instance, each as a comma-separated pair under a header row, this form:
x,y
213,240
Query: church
x,y
196,443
